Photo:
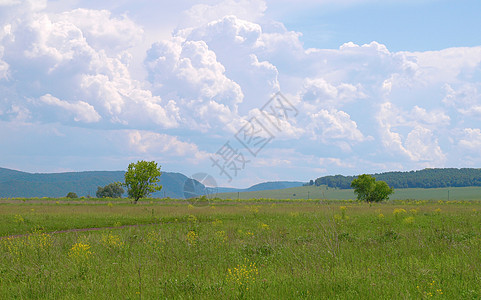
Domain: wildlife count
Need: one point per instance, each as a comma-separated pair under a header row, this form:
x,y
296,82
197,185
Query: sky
x,y
246,91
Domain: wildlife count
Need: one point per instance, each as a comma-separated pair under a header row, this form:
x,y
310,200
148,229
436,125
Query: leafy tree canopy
x,y
112,190
72,195
141,179
368,189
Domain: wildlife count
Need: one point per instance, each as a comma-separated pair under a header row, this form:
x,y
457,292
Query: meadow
x,y
252,249
323,192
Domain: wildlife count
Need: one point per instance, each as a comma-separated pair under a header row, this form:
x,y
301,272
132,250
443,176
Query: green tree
x,y
368,189
72,195
141,179
112,190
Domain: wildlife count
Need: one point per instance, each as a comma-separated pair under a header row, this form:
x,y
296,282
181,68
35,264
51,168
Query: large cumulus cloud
x,y
359,106
79,57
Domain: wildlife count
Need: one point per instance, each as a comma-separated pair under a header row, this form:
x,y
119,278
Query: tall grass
x,y
243,250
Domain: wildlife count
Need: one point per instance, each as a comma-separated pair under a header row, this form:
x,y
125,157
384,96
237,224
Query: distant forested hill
x,y
427,178
270,185
274,185
22,184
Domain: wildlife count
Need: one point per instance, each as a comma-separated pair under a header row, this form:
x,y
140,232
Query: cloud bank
x,y
362,108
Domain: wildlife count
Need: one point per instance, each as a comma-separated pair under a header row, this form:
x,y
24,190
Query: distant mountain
x,y
271,185
174,185
274,185
22,184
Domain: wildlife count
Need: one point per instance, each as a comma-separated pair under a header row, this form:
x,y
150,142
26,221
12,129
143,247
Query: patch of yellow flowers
x,y
243,275
12,246
221,237
17,246
111,241
19,219
80,252
431,290
252,208
264,226
40,240
192,238
399,211
216,222
155,240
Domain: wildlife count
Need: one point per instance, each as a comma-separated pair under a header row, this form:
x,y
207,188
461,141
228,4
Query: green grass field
x,y
322,192
241,250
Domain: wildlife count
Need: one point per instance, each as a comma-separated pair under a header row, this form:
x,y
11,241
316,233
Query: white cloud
x,y
420,144
25,5
466,99
352,63
335,125
102,31
446,65
142,102
272,162
9,2
194,65
104,92
231,37
203,13
344,163
321,94
58,44
19,113
152,142
82,111
215,72
62,54
3,66
123,102
190,73
435,117
471,139
278,123
229,29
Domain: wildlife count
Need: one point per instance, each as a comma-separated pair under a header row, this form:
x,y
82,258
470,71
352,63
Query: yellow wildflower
x,y
80,251
192,238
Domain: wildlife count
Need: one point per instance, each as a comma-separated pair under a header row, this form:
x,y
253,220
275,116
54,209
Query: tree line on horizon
x,y
426,178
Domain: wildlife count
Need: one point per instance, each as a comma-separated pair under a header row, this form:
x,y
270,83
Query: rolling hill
x,y
426,178
22,184
270,185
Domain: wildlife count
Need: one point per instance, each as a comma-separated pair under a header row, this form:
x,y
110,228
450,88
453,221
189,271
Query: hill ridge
x,y
425,178
14,183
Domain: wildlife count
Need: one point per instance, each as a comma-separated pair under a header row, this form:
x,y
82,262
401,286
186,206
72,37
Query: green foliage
x,y
368,189
141,179
427,178
72,195
112,190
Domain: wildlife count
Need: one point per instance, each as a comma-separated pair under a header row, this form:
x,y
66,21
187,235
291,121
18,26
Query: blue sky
x,y
370,86
400,25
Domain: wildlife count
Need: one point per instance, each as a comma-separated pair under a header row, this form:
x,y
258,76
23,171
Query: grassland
x,y
241,249
322,192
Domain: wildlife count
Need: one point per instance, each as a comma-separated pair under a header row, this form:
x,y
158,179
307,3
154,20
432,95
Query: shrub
x,y
72,195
